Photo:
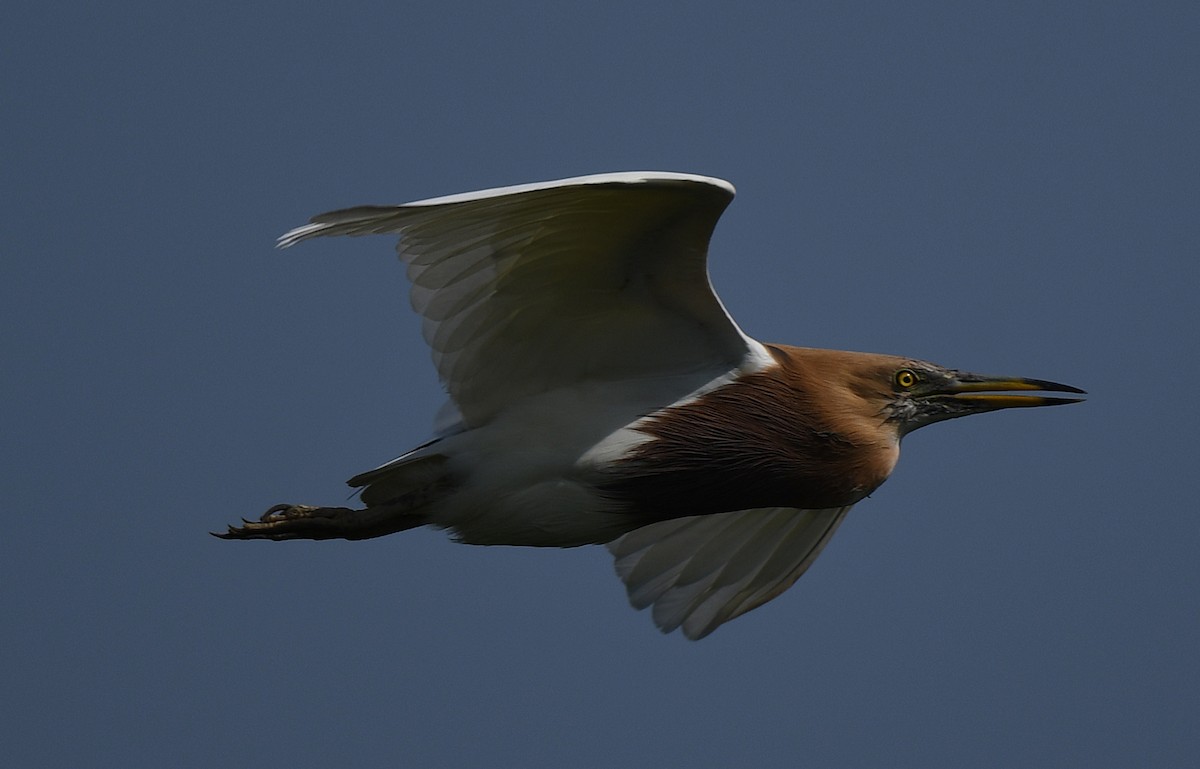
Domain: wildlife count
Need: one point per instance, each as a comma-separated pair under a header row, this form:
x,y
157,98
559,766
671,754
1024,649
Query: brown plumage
x,y
809,432
599,393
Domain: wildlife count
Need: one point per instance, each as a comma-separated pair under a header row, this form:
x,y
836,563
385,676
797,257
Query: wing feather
x,y
525,289
700,572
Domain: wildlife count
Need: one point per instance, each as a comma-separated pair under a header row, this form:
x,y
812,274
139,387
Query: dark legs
x,y
306,522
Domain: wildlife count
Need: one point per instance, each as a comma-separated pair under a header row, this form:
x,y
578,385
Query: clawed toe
x,y
286,521
283,512
272,511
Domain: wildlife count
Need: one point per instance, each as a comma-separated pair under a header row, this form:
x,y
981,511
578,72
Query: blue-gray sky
x,y
1011,188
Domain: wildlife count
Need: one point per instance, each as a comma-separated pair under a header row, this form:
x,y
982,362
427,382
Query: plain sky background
x,y
1012,188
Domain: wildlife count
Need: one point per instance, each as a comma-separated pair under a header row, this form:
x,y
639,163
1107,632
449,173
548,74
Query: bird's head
x,y
913,393
907,394
900,394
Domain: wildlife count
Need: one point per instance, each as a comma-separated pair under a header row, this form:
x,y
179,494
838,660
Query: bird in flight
x,y
601,394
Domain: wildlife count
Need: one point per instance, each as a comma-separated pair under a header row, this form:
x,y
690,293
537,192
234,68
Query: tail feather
x,y
415,477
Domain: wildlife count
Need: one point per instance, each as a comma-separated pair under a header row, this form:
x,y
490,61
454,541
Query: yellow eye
x,y
905,378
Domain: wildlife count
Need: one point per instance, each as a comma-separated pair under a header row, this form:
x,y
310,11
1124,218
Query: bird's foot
x,y
307,522
296,522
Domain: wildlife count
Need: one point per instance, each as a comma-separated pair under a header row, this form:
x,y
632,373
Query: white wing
x,y
703,571
529,288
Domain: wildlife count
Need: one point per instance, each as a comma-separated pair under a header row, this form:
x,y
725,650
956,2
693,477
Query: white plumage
x,y
559,315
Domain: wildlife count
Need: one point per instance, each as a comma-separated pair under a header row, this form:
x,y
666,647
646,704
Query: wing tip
x,y
298,234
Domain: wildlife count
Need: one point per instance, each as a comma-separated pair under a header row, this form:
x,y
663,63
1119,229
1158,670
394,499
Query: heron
x,y
600,394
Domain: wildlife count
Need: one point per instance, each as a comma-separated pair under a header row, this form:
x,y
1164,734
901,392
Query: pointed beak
x,y
974,393
959,394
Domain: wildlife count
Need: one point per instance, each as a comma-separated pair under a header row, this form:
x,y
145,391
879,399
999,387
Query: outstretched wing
x,y
700,572
525,289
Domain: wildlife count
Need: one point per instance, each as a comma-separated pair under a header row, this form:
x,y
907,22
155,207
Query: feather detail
x,y
702,571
